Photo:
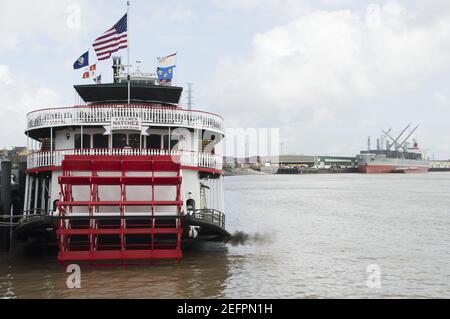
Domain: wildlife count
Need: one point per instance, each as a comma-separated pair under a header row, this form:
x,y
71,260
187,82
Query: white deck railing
x,y
186,158
102,114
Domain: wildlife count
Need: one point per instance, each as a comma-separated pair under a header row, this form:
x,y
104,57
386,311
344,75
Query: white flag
x,y
168,61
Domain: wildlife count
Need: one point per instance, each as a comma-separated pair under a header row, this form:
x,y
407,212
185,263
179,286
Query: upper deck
x,y
39,122
143,99
143,91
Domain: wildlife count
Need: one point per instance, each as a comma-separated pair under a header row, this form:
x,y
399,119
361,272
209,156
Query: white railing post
x,y
188,158
102,115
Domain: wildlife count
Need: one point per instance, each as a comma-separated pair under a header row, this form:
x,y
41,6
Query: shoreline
x,y
291,171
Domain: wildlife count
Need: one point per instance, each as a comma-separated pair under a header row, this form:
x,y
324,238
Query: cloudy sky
x,y
328,73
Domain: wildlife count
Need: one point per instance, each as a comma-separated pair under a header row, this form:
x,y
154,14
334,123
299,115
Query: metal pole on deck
x,y
128,51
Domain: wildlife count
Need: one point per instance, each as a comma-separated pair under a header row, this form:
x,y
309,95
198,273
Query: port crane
x,y
395,140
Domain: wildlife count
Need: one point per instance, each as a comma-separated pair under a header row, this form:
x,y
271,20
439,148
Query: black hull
x,y
42,229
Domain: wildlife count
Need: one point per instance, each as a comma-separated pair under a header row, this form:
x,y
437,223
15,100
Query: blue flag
x,y
82,61
165,74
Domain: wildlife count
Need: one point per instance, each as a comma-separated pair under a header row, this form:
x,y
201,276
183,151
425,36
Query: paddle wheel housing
x,y
104,236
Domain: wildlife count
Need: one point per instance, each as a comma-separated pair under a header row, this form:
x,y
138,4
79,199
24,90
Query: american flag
x,y
112,40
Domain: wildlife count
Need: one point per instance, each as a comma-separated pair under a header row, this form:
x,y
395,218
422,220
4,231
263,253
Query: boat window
x,y
166,142
86,141
133,140
173,142
119,140
101,141
154,141
46,144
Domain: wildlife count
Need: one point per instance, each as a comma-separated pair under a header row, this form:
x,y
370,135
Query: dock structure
x,y
298,164
12,194
5,231
440,166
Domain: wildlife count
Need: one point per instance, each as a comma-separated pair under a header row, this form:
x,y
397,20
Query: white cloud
x,y
179,15
20,96
273,7
442,99
168,13
5,75
327,66
34,24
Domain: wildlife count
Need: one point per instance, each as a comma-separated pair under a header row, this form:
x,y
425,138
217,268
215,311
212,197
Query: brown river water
x,y
309,236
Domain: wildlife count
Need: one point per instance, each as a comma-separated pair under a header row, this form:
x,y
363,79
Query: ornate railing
x,y
210,215
102,114
186,158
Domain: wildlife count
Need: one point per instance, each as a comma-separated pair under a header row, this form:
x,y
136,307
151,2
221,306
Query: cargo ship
x,y
396,155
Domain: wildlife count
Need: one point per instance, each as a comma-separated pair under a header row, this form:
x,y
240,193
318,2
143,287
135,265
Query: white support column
x,y
193,141
144,144
27,191
42,193
216,201
168,147
36,192
51,141
140,131
220,195
50,187
222,199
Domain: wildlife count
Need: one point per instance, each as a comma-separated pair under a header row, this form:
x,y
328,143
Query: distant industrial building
x,y
440,165
324,161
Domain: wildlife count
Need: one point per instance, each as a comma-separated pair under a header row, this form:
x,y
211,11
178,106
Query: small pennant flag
x,y
86,75
98,79
93,67
82,61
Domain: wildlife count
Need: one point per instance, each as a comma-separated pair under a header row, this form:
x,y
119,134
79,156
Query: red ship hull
x,y
383,169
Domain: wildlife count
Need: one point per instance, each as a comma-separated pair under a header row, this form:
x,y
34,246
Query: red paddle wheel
x,y
119,231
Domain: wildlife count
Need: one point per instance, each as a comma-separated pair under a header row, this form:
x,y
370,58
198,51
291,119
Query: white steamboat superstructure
x,y
118,181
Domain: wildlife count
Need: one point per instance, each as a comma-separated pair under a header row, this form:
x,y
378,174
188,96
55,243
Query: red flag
x,y
93,67
86,75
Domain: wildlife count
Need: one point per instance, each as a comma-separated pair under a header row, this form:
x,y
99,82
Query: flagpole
x,y
128,49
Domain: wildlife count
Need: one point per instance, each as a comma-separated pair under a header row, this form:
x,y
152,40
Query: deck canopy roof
x,y
118,93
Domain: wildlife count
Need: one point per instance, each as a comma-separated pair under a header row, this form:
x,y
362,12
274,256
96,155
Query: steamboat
x,y
398,156
127,176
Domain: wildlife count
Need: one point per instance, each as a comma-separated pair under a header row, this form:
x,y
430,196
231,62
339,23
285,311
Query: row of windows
x,y
154,141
